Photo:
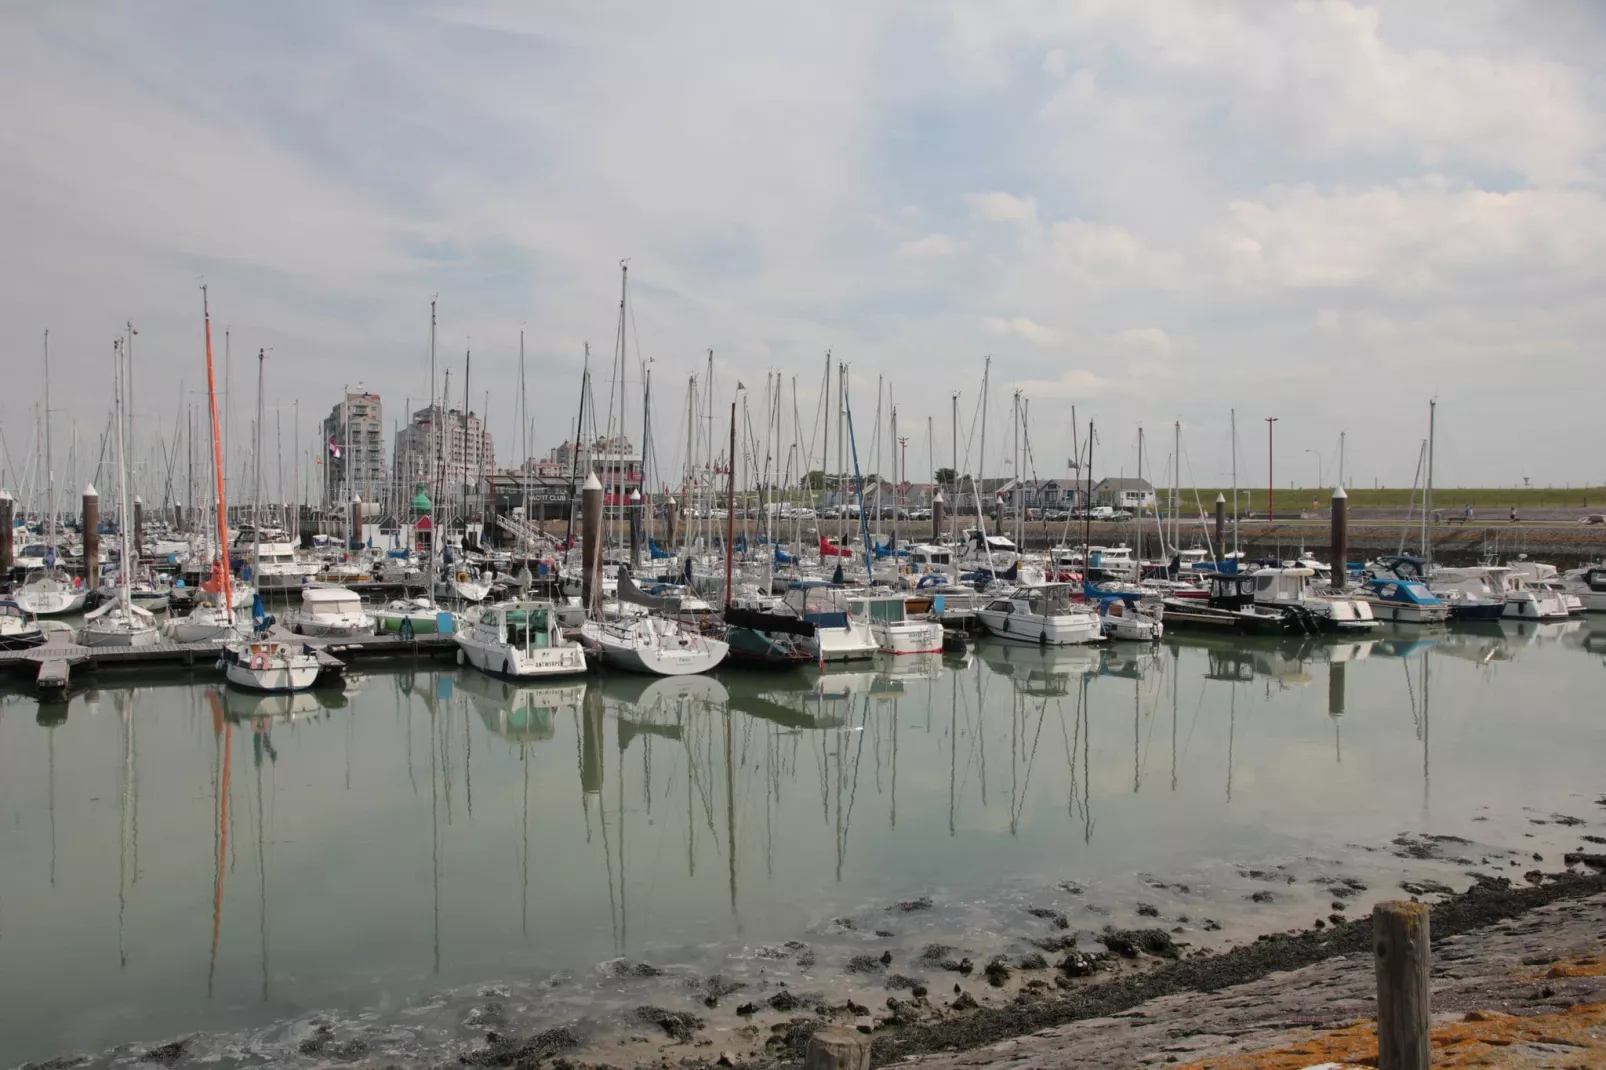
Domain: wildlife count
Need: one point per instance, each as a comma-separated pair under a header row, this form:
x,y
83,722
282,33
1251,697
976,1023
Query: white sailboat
x,y
47,590
119,622
259,664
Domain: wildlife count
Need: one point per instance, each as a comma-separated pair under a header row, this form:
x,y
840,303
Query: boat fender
x,y
259,662
1042,640
460,656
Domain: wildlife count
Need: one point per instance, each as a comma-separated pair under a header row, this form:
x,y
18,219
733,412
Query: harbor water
x,y
179,860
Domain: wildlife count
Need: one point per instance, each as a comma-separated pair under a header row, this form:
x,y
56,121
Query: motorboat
x,y
890,624
1588,584
278,567
419,615
839,634
519,639
1335,612
1132,621
654,645
1403,601
49,592
17,632
1521,602
261,664
1230,606
1538,576
1042,613
331,612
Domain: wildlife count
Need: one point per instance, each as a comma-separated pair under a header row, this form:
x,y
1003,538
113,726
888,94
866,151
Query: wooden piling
x,y
837,1049
91,536
635,532
7,548
669,521
356,522
591,542
1400,941
1340,541
1221,526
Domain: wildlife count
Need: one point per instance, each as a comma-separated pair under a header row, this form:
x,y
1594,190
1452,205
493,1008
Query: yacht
x,y
49,592
1403,601
1278,587
839,634
1042,614
889,622
519,639
261,664
1132,621
278,567
331,612
1589,585
1521,601
17,632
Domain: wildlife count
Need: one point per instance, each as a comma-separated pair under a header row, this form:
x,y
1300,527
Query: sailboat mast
x,y
1234,480
1427,491
217,457
1176,481
256,467
981,461
730,512
124,565
524,432
50,471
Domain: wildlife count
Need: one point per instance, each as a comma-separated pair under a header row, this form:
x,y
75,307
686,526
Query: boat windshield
x,y
529,627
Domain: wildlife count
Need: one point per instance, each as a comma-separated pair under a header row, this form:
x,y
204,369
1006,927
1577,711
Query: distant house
x,y
1133,494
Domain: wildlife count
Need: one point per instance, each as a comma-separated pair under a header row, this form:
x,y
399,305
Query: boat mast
x,y
433,451
1235,481
217,463
1176,484
50,471
124,565
730,511
256,473
1427,491
524,434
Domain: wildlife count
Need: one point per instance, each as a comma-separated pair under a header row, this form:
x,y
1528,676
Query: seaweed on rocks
x,y
1426,887
167,1054
1148,910
716,988
1032,961
1262,897
626,968
522,1051
864,964
901,982
1055,943
679,1025
936,954
1486,902
322,1043
910,906
784,1001
1128,943
997,973
1056,918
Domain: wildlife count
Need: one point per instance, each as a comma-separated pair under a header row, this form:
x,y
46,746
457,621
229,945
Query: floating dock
x,y
56,665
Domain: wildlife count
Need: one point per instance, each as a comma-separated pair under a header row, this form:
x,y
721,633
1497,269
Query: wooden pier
x,y
57,666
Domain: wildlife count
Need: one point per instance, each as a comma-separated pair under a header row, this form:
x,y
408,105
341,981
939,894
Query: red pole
x,y
1271,484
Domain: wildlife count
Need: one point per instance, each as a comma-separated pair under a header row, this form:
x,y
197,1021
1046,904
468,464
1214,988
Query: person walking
x,y
1466,517
1513,514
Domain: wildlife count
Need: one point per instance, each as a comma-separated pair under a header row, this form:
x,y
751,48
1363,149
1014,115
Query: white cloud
x,y
1054,63
930,247
1002,207
1022,327
1152,339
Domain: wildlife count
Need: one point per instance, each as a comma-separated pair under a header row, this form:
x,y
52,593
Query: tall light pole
x,y
1319,481
1271,485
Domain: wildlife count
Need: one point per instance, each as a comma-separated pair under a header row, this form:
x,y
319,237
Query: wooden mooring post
x,y
837,1049
1400,940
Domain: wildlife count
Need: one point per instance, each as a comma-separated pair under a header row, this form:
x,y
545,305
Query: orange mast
x,y
217,462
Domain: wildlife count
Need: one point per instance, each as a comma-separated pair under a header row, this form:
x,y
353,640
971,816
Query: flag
x,y
334,449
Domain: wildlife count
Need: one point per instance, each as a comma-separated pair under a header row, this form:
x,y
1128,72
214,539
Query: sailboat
x,y
120,622
258,663
48,591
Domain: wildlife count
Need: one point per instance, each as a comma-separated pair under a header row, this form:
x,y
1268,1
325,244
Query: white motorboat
x,y
1044,614
17,632
1521,601
1132,621
655,645
331,612
839,634
1588,585
894,631
1279,587
521,640
269,665
49,592
279,568
1403,601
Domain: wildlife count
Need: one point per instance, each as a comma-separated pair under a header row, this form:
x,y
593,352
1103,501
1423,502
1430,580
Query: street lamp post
x,y
1319,481
1271,486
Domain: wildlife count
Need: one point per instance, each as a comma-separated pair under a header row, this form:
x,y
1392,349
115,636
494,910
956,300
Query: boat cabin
x,y
1282,586
1038,600
1409,592
878,608
530,625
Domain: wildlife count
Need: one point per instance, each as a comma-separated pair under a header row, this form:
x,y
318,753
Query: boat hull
x,y
512,663
908,637
297,675
141,635
1042,631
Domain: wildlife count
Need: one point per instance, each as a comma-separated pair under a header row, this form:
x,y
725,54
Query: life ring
x,y
462,577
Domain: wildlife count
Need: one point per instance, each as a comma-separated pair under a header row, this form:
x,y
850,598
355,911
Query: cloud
x,y
930,247
1002,207
1149,338
1022,327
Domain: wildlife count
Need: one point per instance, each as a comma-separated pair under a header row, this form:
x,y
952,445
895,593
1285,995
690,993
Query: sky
x,y
1157,213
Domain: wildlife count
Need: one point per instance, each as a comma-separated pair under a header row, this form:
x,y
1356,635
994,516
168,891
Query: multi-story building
x,y
614,460
445,445
354,449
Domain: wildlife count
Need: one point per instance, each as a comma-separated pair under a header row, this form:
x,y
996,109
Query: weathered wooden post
x,y
139,533
1340,548
669,520
354,540
939,506
7,532
837,1049
1400,940
591,542
1221,526
91,537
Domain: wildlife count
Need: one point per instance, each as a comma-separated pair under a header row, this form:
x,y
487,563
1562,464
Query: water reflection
x,y
698,811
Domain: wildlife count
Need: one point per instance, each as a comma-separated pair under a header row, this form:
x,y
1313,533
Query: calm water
x,y
174,857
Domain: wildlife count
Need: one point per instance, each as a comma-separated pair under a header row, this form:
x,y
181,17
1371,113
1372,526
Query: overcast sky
x,y
1156,212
